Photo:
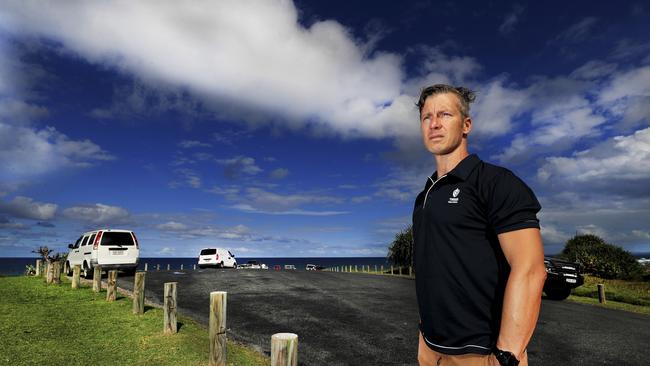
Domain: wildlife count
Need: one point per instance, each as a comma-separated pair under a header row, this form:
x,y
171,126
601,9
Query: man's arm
x,y
523,296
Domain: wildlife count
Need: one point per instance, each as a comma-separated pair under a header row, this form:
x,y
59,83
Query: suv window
x,y
92,239
117,238
85,241
208,251
78,242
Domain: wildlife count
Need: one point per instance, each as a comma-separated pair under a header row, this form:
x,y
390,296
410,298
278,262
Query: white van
x,y
216,257
108,248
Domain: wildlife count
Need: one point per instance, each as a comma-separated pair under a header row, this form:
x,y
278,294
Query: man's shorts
x,y
429,357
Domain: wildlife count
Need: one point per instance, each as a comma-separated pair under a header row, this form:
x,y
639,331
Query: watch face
x,y
506,358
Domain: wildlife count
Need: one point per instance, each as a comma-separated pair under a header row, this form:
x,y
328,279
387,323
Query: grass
x,y
53,324
624,295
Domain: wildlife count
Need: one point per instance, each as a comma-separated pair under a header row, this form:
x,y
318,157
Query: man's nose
x,y
435,123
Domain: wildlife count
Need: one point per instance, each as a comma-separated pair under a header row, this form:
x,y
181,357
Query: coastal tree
x,y
400,251
601,258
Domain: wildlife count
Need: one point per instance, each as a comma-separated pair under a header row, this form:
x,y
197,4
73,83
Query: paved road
x,y
358,319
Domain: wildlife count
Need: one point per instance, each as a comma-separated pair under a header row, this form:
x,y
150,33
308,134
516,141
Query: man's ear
x,y
467,126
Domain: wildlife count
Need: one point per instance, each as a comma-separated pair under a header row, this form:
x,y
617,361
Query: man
x,y
478,252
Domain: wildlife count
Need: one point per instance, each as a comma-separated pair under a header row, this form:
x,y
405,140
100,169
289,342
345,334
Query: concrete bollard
x,y
284,349
218,301
146,267
181,267
194,267
168,267
158,267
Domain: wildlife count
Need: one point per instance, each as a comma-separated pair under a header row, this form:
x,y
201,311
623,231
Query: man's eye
x,y
426,120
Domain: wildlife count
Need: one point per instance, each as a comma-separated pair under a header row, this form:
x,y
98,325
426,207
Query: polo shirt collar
x,y
463,169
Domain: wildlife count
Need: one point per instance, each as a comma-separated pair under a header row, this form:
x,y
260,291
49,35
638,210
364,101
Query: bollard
x,y
410,271
218,300
391,269
146,267
97,278
375,268
194,267
158,267
181,267
38,267
56,272
355,268
601,294
138,293
168,266
169,316
382,269
284,349
76,273
49,275
111,288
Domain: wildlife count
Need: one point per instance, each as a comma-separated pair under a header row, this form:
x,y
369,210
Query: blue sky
x,y
280,128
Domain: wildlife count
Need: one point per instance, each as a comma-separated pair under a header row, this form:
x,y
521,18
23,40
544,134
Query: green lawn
x,y
624,295
55,325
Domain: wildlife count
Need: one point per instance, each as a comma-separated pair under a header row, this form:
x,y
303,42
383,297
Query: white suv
x,y
108,248
216,257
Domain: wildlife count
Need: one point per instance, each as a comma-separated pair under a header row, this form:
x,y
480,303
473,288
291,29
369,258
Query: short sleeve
x,y
512,205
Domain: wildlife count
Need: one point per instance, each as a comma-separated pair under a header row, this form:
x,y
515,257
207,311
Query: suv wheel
x,y
87,271
558,293
69,269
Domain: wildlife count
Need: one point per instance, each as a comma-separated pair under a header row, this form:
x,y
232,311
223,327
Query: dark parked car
x,y
561,277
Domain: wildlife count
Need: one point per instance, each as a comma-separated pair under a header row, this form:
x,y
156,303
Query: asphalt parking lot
x,y
362,319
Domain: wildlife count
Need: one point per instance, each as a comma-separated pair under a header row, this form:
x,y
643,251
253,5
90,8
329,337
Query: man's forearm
x,y
521,304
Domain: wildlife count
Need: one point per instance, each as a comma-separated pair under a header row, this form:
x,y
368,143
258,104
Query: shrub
x,y
601,259
400,252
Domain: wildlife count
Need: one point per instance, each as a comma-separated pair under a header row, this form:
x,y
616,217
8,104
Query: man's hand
x,y
523,297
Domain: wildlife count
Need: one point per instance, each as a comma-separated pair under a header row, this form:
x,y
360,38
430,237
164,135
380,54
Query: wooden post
x,y
410,271
158,267
169,307
138,293
49,277
391,269
218,301
355,268
97,279
56,272
146,267
284,349
76,272
111,288
168,266
601,294
38,267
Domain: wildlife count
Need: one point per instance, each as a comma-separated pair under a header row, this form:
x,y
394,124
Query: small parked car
x,y
289,267
277,267
561,277
108,248
310,267
216,257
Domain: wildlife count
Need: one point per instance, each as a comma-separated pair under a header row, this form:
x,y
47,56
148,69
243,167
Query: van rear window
x,y
208,251
117,238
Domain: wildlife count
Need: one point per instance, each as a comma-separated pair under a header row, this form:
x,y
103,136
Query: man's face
x,y
442,124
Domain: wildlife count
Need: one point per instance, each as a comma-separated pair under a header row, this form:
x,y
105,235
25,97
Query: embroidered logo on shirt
x,y
454,198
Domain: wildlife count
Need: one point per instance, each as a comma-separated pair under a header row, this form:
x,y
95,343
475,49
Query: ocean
x,y
16,266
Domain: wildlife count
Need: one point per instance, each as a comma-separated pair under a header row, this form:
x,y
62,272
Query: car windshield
x,y
208,251
117,238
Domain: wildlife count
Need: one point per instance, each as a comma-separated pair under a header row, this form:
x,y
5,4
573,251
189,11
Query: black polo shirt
x,y
461,271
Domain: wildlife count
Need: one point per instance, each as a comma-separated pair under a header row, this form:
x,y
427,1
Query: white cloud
x,y
186,177
254,52
297,212
27,208
511,19
188,144
238,166
172,226
26,152
98,214
577,32
620,159
279,173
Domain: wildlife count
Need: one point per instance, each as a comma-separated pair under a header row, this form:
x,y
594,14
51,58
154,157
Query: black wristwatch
x,y
505,358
